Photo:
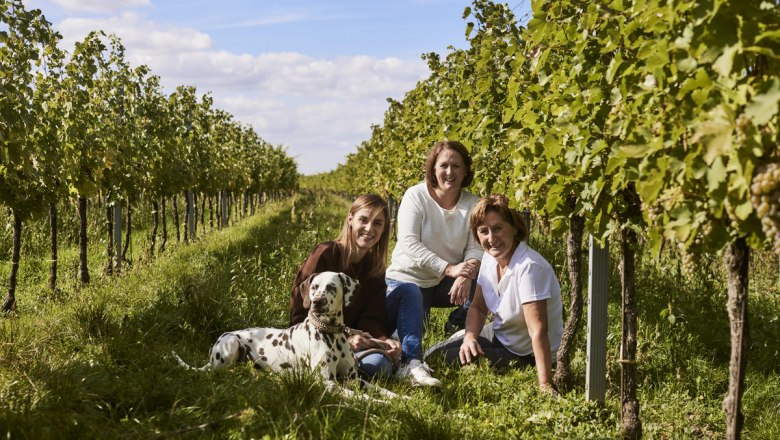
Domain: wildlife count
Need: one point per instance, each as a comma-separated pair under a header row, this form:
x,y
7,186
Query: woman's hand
x,y
459,293
393,348
469,350
359,343
468,269
549,389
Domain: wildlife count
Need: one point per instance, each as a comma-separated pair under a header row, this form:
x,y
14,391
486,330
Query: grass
x,y
95,362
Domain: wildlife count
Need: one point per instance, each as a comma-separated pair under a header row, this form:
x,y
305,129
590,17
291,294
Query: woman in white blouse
x,y
518,286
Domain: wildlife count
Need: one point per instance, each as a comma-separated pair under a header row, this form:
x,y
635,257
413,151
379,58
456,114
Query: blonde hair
x,y
500,204
377,255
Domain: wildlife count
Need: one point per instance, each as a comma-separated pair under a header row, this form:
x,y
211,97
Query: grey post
x,y
598,279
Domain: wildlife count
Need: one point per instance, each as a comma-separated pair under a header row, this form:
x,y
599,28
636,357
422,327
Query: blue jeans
x,y
405,314
408,307
374,365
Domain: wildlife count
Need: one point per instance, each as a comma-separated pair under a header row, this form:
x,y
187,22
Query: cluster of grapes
x,y
652,212
765,196
690,261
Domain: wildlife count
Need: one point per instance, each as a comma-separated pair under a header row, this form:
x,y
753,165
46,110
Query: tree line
x,y
639,121
86,125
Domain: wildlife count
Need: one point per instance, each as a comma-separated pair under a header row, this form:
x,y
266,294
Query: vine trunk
x,y
9,305
630,424
736,258
83,269
563,378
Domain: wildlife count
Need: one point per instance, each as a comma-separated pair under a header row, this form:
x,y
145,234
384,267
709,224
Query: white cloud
x,y
274,19
139,36
321,108
99,5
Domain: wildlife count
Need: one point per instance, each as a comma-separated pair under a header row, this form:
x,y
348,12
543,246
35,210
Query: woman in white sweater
x,y
436,259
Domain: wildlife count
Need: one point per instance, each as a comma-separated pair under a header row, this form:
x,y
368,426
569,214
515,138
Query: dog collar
x,y
325,328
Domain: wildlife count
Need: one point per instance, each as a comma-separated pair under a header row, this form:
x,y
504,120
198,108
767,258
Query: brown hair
x,y
500,204
378,254
433,155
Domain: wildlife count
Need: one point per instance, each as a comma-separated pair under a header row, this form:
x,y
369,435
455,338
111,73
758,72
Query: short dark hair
x,y
500,204
433,155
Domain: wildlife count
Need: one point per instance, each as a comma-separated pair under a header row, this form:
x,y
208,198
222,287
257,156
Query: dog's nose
x,y
319,301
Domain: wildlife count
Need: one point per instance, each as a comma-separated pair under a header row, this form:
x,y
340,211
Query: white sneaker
x,y
419,373
457,335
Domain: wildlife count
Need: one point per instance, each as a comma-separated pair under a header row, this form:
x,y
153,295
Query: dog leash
x,y
379,346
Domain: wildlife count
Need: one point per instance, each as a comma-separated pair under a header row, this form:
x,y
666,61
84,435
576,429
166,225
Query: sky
x,y
311,75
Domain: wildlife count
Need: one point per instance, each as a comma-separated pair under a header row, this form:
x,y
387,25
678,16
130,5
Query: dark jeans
x,y
499,357
439,296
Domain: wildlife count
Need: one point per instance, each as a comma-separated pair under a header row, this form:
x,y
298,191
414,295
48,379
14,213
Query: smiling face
x,y
497,237
367,227
450,170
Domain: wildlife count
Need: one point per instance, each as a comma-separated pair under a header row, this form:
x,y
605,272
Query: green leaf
x,y
743,211
763,107
614,66
716,174
469,28
633,151
724,62
715,133
553,199
649,187
687,64
552,146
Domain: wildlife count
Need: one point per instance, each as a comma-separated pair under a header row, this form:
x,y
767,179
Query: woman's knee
x,y
376,365
408,293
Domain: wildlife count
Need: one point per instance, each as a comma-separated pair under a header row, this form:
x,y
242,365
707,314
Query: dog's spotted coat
x,y
317,343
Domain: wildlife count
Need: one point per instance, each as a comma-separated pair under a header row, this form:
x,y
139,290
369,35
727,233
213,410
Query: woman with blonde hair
x,y
360,251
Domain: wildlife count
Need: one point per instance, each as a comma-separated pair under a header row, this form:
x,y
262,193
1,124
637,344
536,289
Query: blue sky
x,y
310,75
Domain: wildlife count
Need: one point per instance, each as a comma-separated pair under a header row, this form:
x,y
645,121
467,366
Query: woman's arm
x,y
372,314
410,219
475,320
536,319
463,273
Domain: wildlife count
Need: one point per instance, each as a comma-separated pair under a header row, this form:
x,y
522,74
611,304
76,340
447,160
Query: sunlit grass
x,y
95,361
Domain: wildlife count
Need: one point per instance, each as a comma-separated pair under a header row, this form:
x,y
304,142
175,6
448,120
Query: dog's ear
x,y
303,290
350,286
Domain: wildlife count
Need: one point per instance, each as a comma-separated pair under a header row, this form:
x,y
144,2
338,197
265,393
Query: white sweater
x,y
430,237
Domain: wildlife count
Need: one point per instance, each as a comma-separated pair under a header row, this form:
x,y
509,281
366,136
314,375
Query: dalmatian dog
x,y
318,343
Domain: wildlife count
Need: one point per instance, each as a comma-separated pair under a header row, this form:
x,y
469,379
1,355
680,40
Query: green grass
x,y
95,362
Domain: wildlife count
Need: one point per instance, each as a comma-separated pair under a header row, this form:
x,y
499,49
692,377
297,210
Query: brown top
x,y
366,312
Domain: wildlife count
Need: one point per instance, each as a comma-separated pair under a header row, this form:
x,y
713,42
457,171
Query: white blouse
x,y
528,277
